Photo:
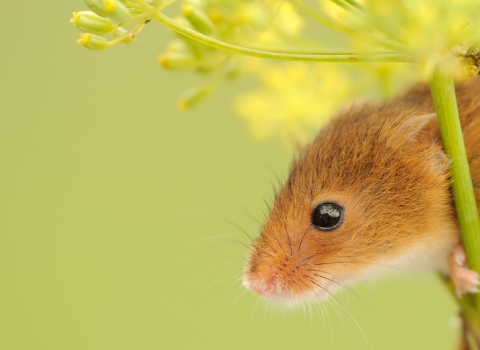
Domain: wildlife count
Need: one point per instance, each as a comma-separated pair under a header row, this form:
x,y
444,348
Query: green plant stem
x,y
467,307
469,310
472,342
443,93
317,52
170,23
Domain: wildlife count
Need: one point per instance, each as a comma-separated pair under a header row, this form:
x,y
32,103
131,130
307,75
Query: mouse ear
x,y
420,127
424,130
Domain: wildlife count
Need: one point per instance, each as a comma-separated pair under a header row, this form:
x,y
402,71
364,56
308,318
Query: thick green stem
x,y
170,23
467,307
443,93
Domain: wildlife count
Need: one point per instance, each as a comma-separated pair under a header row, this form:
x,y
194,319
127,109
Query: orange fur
x,y
384,164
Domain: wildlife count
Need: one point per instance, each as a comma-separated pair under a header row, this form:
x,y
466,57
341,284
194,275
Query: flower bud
x,y
198,19
97,7
209,64
92,41
179,45
193,97
177,60
116,11
90,22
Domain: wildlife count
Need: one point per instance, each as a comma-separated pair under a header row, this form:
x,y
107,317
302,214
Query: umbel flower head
x,y
293,98
242,23
121,19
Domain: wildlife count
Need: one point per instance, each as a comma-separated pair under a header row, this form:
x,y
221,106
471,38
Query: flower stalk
x,y
443,93
207,40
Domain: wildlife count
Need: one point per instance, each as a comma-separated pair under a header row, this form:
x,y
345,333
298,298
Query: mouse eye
x,y
327,216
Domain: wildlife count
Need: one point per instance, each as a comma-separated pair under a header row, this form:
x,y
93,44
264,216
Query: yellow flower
x,y
295,99
88,21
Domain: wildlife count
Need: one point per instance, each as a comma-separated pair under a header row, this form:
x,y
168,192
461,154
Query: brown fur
x,y
385,165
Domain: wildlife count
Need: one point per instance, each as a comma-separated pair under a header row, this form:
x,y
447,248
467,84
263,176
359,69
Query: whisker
x,y
253,155
216,216
214,283
266,242
339,317
321,310
309,257
310,311
301,241
333,306
370,306
245,210
237,241
235,281
276,238
288,238
329,322
237,299
323,316
269,208
336,282
270,255
362,262
255,309
346,310
241,229
215,239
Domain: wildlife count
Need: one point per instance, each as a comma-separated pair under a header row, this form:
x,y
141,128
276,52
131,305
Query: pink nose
x,y
263,286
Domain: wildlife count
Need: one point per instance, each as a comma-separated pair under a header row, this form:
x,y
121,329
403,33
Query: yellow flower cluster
x,y
420,28
244,23
294,98
120,18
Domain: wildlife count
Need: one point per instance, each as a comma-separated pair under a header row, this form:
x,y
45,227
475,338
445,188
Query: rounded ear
x,y
423,130
418,127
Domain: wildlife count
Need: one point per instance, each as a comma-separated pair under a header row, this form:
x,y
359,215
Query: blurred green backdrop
x,y
115,211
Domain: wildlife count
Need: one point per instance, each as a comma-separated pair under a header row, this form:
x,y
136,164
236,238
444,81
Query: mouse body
x,y
370,195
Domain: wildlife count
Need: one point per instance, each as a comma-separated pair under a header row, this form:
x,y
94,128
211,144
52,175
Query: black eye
x,y
327,216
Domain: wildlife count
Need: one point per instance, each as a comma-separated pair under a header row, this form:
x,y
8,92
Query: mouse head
x,y
361,197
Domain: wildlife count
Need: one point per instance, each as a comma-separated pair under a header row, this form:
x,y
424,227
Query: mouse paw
x,y
465,280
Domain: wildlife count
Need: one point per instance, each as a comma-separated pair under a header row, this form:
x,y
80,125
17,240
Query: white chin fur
x,y
422,258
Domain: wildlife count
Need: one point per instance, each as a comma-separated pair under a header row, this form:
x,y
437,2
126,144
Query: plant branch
x,y
443,93
467,307
170,23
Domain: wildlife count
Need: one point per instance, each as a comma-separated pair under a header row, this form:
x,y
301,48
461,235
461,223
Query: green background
x,y
115,211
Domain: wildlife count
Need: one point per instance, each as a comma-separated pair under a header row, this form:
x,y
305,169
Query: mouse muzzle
x,y
286,276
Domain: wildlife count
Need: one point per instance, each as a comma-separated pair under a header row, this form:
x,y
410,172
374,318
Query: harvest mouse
x,y
371,194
